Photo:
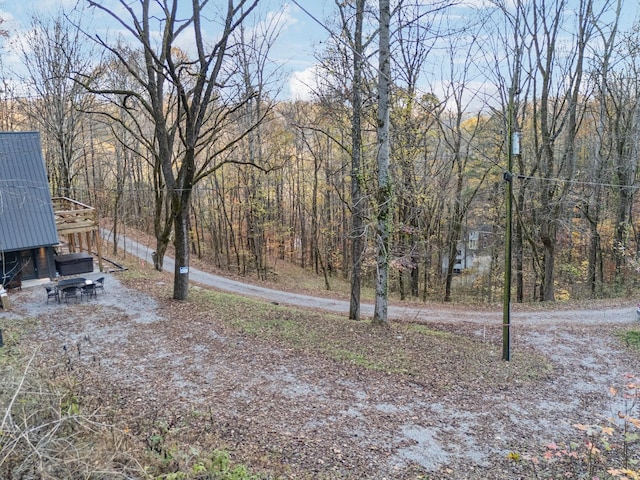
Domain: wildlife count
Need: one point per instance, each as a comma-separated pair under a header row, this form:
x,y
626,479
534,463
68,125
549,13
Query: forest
x,y
513,132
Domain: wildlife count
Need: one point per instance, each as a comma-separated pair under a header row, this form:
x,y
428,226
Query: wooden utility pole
x,y
513,146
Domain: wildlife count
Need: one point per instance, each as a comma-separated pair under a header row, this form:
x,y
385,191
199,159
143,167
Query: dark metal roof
x,y
26,211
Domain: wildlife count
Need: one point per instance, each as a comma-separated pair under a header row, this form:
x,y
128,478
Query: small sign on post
x,y
515,143
184,270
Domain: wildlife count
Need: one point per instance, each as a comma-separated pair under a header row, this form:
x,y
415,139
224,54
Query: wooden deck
x,y
78,224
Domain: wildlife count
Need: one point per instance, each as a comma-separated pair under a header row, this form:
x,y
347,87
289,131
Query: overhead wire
x,y
338,38
573,182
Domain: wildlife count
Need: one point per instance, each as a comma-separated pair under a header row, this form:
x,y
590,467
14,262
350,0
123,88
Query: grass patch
x,y
631,338
429,332
11,355
427,354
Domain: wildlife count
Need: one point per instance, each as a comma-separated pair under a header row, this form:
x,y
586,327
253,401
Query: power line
x,y
310,15
338,38
572,182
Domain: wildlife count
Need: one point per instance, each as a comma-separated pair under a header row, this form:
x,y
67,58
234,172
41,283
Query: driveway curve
x,y
428,313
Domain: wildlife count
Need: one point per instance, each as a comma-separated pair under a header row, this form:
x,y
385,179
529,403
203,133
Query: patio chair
x,y
99,284
88,290
52,292
70,292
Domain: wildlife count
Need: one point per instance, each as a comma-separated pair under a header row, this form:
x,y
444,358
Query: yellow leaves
x,y
582,428
623,473
514,457
608,431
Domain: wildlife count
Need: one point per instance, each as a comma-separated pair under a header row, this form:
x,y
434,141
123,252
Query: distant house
x,y
27,223
468,253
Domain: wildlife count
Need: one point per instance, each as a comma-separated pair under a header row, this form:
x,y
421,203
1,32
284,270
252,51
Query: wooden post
x,y
5,301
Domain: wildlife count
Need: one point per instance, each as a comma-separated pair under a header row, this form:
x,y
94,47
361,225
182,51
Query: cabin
x,y
32,224
28,231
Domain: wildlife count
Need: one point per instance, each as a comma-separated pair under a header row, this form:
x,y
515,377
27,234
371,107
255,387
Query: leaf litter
x,y
328,398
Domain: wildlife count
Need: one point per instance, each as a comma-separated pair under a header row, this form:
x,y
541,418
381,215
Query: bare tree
x,y
203,105
621,102
250,54
55,56
546,94
557,116
8,100
411,121
345,93
609,130
133,138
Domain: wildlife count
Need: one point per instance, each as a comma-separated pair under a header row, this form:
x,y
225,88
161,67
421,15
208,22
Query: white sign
x,y
515,145
184,269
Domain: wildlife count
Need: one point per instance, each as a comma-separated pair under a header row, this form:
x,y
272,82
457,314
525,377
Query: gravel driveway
x,y
613,316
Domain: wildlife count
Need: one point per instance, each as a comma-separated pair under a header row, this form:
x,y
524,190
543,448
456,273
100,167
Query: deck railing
x,y
73,216
73,219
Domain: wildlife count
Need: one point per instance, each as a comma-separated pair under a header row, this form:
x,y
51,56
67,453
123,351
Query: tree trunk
x,y
455,231
181,207
162,220
357,200
594,247
518,253
547,293
384,196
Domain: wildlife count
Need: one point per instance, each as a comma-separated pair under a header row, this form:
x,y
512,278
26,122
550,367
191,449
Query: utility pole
x,y
513,148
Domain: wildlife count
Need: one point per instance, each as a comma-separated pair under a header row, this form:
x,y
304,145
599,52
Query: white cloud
x,y
6,16
303,83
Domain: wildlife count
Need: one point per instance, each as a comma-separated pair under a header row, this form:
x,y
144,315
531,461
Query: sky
x,y
301,31
299,36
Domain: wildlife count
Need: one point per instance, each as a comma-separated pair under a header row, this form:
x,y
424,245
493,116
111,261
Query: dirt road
x,y
619,316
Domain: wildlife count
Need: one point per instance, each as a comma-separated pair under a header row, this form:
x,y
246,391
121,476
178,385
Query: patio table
x,y
71,282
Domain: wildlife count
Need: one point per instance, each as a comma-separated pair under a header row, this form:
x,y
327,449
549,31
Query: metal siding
x,y
26,212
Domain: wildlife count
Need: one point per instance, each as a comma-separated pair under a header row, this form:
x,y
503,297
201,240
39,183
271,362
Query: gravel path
x,y
615,316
